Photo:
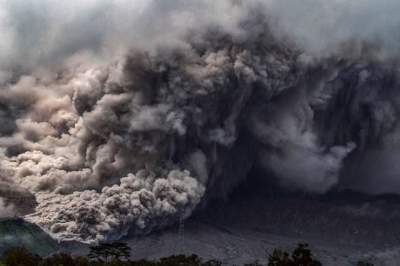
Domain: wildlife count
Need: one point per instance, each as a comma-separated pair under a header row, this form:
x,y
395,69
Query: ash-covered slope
x,y
342,227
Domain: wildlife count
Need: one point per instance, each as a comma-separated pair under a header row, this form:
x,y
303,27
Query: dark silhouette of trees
x,y
301,256
117,254
59,259
279,258
114,250
20,256
212,263
364,263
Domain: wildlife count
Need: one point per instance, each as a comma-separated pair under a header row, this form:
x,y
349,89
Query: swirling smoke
x,y
122,116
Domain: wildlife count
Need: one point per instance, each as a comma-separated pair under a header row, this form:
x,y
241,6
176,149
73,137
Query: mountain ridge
x,y
18,232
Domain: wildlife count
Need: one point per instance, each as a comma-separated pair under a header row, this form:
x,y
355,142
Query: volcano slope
x,y
342,228
19,233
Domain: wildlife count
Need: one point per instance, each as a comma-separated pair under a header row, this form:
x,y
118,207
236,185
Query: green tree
x,y
82,261
301,256
143,263
114,250
279,258
20,256
364,263
120,250
59,259
212,263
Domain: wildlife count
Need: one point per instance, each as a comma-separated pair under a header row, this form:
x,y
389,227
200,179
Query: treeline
x,y
118,254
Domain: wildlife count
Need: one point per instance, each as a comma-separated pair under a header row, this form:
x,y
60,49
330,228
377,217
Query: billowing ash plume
x,y
142,201
110,141
87,130
6,210
14,201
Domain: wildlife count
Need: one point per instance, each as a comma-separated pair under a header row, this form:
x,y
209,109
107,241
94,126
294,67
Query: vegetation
x,y
301,256
364,263
17,233
115,251
117,254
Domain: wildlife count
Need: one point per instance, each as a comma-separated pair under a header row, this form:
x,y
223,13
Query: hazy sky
x,y
44,31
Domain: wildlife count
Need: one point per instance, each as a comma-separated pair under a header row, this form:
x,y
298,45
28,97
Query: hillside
x,y
17,232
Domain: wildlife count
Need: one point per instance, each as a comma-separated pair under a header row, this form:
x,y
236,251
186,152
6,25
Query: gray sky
x,y
46,31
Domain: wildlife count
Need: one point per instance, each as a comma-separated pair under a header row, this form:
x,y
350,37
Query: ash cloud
x,y
143,202
14,201
45,32
122,116
6,210
329,27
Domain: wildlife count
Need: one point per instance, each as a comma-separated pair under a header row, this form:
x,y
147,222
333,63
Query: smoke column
x,y
122,116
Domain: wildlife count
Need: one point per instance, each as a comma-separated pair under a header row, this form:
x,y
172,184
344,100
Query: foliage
x,y
19,233
212,263
18,256
279,258
114,250
59,259
102,255
111,254
364,263
301,256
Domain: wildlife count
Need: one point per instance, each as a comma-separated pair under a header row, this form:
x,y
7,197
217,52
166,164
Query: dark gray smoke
x,y
127,125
